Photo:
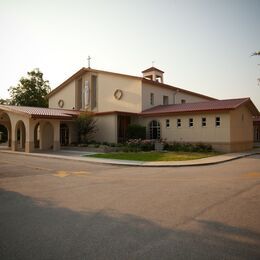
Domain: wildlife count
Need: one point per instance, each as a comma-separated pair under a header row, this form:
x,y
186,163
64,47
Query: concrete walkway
x,y
80,156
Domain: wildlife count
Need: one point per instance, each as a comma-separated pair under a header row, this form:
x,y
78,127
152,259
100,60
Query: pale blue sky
x,y
203,46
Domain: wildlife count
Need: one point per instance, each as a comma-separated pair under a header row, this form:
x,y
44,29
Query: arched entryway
x,y
37,136
47,136
155,130
20,135
5,129
64,134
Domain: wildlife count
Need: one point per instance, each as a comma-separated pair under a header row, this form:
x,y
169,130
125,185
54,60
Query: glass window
x,y
190,122
155,130
152,99
167,123
203,121
178,122
165,100
217,121
94,91
183,101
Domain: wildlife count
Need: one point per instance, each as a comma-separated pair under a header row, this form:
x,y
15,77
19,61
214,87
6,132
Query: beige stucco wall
x,y
241,129
107,84
218,137
159,92
106,128
67,94
197,133
189,98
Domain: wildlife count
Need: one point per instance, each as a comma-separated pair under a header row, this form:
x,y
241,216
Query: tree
x,y
3,101
136,132
31,90
255,53
86,127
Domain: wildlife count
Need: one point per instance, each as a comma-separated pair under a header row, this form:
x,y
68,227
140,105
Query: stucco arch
x,y
20,135
6,122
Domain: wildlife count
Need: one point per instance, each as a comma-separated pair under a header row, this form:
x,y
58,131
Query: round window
x,y
61,103
118,94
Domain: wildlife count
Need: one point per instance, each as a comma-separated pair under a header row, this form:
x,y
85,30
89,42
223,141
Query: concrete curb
x,y
200,162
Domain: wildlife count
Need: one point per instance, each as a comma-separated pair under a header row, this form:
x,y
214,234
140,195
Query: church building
x,y
118,100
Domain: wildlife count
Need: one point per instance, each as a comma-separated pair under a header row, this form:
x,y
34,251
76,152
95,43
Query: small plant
x,y
136,145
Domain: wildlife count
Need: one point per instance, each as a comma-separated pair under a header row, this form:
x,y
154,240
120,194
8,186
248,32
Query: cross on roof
x,y
89,58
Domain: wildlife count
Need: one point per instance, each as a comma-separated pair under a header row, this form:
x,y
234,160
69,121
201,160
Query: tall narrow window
x,y
190,122
165,100
152,99
93,91
217,122
178,122
203,121
155,130
79,94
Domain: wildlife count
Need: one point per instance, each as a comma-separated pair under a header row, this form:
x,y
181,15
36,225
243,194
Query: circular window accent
x,y
118,94
61,103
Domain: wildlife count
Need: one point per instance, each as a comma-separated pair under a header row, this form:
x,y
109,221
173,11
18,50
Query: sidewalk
x,y
80,156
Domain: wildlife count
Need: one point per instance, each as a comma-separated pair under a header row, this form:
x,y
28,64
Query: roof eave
x,y
186,112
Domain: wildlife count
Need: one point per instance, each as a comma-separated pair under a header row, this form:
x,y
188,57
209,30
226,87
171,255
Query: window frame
x,y
191,122
178,122
152,99
217,121
165,98
203,122
167,123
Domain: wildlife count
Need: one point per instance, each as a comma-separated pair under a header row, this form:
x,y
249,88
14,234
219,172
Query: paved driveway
x,y
58,209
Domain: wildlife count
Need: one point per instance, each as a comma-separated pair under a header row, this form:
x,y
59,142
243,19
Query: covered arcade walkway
x,y
32,128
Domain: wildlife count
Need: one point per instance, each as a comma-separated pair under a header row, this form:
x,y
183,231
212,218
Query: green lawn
x,y
154,156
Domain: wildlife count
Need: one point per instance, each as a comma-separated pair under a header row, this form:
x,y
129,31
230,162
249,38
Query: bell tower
x,y
153,74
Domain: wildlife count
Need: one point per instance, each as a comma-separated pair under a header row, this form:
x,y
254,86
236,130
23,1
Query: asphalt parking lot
x,y
58,209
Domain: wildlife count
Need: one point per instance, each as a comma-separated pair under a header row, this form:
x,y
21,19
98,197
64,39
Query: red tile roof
x,y
256,119
40,112
208,106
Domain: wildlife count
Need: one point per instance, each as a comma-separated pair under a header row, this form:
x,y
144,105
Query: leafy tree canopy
x,y
3,101
31,90
255,53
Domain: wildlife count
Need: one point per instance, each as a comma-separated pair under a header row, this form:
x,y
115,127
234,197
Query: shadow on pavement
x,y
31,229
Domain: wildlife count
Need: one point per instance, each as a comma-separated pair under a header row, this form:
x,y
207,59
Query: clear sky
x,y
202,45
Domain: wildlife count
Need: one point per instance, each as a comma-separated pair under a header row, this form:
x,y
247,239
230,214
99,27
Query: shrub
x,y
86,127
136,132
187,147
136,145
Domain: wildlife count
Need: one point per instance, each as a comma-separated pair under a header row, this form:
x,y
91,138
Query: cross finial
x,y
89,58
153,63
